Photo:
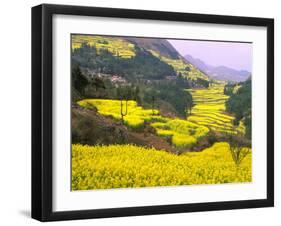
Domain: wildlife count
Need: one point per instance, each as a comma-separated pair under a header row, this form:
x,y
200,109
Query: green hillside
x,y
126,48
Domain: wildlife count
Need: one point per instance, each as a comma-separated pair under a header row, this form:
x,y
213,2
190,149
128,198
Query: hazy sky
x,y
234,55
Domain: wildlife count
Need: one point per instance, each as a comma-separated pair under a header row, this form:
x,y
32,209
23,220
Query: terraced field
x,y
186,69
117,46
181,133
135,118
209,109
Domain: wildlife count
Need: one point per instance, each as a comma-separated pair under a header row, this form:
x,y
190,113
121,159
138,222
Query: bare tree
x,y
125,112
239,147
188,108
153,103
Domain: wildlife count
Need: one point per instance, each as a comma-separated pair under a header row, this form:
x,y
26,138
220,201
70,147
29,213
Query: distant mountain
x,y
197,63
219,72
228,74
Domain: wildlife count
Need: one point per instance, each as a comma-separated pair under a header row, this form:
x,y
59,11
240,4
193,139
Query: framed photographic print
x,y
146,112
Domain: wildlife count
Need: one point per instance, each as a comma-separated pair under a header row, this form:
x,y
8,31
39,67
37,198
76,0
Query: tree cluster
x,y
240,104
143,66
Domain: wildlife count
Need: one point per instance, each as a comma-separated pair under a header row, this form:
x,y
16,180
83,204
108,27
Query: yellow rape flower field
x,y
118,47
127,166
180,66
209,110
183,133
135,117
175,144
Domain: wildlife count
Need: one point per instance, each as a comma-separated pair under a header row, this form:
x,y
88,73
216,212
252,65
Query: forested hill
x,y
144,58
239,103
141,65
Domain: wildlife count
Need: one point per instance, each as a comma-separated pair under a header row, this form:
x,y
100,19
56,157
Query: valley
x,y
143,116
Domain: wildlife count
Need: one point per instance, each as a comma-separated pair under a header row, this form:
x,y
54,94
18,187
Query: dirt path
x,y
151,140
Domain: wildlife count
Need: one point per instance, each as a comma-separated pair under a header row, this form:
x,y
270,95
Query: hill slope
x,y
128,48
115,45
162,46
162,49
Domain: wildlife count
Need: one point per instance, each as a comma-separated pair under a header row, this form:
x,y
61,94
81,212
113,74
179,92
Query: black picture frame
x,y
42,111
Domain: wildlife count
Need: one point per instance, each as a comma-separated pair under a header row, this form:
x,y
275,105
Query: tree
x,y
124,92
79,81
239,147
189,106
212,82
202,82
137,95
181,81
153,104
98,83
125,112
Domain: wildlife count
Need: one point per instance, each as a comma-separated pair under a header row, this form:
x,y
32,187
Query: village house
x,y
117,79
